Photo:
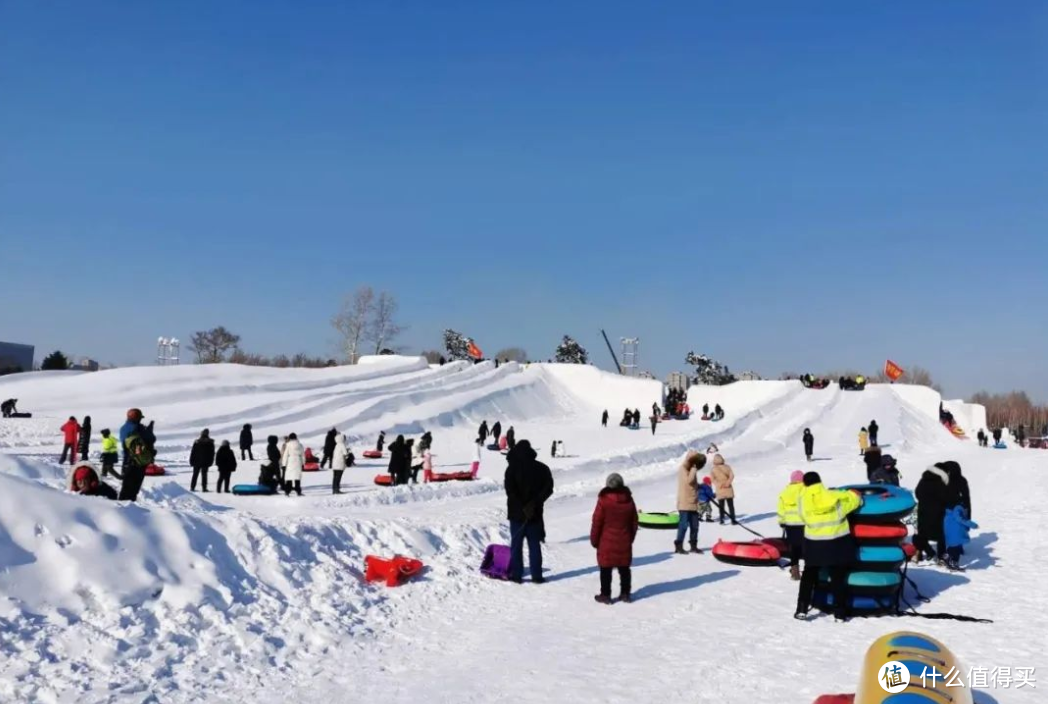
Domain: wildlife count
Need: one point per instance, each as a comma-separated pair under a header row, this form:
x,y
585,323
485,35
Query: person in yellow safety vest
x,y
110,454
791,521
864,441
827,543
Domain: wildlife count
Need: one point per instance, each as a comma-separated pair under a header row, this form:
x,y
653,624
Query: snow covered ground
x,y
199,597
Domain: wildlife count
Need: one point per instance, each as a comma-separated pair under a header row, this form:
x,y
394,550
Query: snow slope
x,y
192,597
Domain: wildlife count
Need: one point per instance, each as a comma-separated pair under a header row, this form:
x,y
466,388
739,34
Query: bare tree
x,y
512,354
352,321
916,375
211,346
382,327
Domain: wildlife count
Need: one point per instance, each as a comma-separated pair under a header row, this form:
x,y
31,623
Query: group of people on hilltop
x,y
137,442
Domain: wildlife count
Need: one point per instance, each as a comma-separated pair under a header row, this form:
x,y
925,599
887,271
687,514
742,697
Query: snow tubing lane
x,y
372,454
882,502
155,470
880,532
662,521
253,490
752,554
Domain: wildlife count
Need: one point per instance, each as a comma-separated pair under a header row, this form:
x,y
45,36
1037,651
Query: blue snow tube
x,y
861,605
253,490
1000,446
869,583
880,557
882,502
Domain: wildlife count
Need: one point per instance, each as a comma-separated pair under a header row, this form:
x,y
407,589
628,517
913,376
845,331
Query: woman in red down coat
x,y
612,533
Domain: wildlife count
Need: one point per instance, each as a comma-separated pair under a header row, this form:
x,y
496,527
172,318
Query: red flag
x,y
474,351
892,370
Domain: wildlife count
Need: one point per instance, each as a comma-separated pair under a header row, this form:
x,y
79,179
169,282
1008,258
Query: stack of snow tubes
x,y
876,577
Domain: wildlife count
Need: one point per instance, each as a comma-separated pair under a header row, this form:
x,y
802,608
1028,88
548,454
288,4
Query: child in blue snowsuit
x,y
706,497
955,529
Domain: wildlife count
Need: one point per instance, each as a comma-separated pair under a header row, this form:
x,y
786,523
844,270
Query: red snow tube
x,y
450,477
909,549
155,470
311,467
836,699
887,532
372,454
394,571
752,554
384,479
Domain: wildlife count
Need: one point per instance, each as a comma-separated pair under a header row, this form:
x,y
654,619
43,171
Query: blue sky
x,y
785,186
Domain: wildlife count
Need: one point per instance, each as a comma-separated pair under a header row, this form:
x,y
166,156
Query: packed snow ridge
x,y
193,597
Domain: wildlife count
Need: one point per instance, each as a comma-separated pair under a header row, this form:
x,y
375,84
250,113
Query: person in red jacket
x,y
612,533
71,434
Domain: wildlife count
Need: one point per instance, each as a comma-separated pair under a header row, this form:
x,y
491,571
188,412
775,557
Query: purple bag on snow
x,y
496,562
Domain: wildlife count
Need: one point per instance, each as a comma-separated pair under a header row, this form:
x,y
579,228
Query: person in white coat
x,y
338,463
293,458
475,468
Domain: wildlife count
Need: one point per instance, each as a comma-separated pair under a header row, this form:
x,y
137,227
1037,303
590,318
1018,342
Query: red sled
x,y
394,571
311,467
384,480
155,470
372,454
448,477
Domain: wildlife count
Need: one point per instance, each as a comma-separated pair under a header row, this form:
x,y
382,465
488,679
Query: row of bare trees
x,y
1011,410
219,345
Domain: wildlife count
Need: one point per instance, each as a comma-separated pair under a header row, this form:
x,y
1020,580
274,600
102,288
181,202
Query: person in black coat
x,y
997,436
496,432
269,473
872,458
654,422
809,444
873,428
511,438
604,419
329,448
381,443
528,483
399,464
226,461
636,417
247,439
482,432
426,441
201,457
84,444
933,498
959,494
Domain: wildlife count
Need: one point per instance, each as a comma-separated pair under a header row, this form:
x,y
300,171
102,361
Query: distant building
x,y
86,365
16,357
678,380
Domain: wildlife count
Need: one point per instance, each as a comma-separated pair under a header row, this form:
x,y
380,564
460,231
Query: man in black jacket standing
x,y
529,483
329,448
201,457
873,432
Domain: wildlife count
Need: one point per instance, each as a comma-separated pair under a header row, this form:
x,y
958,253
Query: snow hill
x,y
192,597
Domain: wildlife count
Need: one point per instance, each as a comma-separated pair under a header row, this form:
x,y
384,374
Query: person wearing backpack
x,y
138,442
226,461
201,457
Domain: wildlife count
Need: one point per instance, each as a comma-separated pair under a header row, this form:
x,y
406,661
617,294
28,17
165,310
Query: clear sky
x,y
783,185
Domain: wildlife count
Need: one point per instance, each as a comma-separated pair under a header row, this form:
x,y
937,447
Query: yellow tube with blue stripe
x,y
944,679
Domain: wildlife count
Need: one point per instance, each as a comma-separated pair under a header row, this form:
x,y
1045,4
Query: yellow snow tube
x,y
919,654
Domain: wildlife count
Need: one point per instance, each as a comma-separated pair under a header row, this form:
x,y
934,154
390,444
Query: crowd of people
x,y
137,442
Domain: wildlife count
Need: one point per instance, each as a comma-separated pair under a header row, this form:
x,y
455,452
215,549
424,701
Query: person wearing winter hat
x,y
934,495
612,532
791,521
142,441
809,444
247,439
529,484
688,501
707,497
827,543
86,483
